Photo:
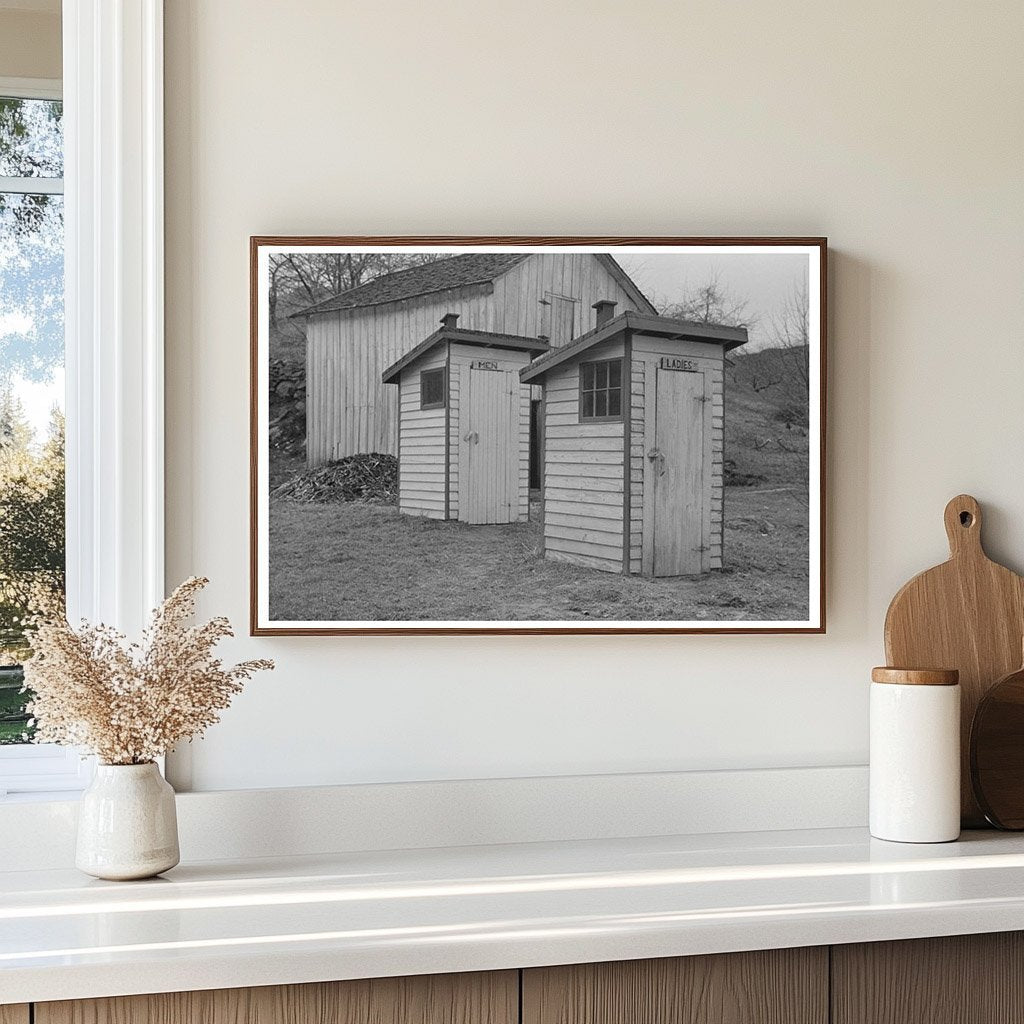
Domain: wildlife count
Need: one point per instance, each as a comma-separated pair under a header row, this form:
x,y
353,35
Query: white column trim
x,y
113,109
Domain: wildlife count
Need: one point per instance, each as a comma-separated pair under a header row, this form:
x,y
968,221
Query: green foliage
x,y
31,525
14,719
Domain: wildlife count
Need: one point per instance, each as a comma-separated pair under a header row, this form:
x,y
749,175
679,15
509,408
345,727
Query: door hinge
x,y
701,398
702,548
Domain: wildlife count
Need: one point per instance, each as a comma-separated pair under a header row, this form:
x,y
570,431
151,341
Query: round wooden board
x,y
997,752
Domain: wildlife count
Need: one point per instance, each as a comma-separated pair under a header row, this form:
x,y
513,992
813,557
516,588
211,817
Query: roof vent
x,y
605,311
448,320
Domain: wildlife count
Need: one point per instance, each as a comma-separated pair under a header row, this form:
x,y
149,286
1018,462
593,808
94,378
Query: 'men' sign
x,y
678,363
485,364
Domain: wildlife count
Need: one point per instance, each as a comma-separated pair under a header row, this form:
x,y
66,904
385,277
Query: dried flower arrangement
x,y
130,703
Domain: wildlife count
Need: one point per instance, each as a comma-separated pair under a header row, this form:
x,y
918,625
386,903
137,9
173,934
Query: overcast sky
x,y
763,280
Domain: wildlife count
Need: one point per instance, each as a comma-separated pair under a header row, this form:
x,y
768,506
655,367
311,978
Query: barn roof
x,y
663,326
459,271
448,332
440,276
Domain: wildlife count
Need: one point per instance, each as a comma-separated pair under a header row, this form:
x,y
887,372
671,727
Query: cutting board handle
x,y
963,526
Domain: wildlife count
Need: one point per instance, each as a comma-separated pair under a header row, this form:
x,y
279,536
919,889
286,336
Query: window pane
x,y
31,430
615,374
602,375
588,403
432,387
601,403
588,376
31,138
615,402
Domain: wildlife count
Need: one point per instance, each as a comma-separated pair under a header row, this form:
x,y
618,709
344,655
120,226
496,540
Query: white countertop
x,y
298,919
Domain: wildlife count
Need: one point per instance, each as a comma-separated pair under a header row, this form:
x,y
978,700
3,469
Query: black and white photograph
x,y
537,435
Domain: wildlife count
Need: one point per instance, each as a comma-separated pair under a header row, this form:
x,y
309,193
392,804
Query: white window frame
x,y
114,347
38,767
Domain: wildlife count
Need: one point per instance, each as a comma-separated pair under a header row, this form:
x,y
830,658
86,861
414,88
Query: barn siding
x,y
583,474
462,358
421,478
349,410
647,352
580,276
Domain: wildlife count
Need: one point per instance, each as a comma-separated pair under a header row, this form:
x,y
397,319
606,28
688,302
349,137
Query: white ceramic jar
x,y
915,755
127,823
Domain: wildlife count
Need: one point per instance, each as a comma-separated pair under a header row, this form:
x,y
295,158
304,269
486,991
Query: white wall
x,y
30,40
895,129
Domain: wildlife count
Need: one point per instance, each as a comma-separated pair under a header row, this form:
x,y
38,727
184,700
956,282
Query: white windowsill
x,y
42,771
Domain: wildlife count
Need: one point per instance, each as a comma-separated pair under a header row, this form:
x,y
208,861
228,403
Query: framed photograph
x,y
537,435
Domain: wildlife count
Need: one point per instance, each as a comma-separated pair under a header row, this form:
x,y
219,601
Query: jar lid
x,y
916,676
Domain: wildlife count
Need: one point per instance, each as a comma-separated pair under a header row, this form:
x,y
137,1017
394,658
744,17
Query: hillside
x,y
766,435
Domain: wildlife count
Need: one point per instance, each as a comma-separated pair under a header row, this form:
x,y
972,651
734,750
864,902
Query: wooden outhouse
x,y
464,425
632,444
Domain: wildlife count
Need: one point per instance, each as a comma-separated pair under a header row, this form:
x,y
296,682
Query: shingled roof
x,y
439,276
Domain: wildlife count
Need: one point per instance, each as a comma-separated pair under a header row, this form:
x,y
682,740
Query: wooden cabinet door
x,y
14,1014
779,986
961,979
484,998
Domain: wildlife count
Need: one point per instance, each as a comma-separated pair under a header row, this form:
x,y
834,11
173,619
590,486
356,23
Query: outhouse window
x,y
601,390
432,389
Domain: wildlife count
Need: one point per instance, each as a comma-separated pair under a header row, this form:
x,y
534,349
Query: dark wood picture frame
x,y
259,241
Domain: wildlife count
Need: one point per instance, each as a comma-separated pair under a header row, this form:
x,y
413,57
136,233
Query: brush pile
x,y
372,478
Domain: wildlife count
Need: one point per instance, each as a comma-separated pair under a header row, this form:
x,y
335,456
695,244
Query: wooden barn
x,y
352,337
464,425
632,422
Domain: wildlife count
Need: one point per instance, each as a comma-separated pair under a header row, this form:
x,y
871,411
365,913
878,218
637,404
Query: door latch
x,y
657,456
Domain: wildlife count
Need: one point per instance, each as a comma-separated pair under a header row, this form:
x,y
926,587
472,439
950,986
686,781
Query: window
x,y
432,394
114,307
32,549
601,390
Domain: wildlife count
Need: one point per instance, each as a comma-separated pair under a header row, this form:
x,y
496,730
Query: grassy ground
x,y
372,563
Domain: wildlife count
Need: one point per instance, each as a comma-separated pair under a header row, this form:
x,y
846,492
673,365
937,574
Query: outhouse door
x,y
677,462
489,447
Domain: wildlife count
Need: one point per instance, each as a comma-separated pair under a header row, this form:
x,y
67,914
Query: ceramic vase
x,y
127,825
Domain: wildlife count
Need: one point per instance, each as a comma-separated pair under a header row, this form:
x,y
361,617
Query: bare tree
x,y
791,334
712,303
308,278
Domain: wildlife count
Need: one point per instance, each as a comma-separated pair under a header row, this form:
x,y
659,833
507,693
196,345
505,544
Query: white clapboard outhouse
x,y
464,425
632,420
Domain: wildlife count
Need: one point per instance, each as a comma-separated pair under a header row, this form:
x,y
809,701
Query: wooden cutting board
x,y
967,614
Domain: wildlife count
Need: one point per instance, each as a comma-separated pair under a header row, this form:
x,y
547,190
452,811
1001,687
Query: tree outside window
x,y
31,386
